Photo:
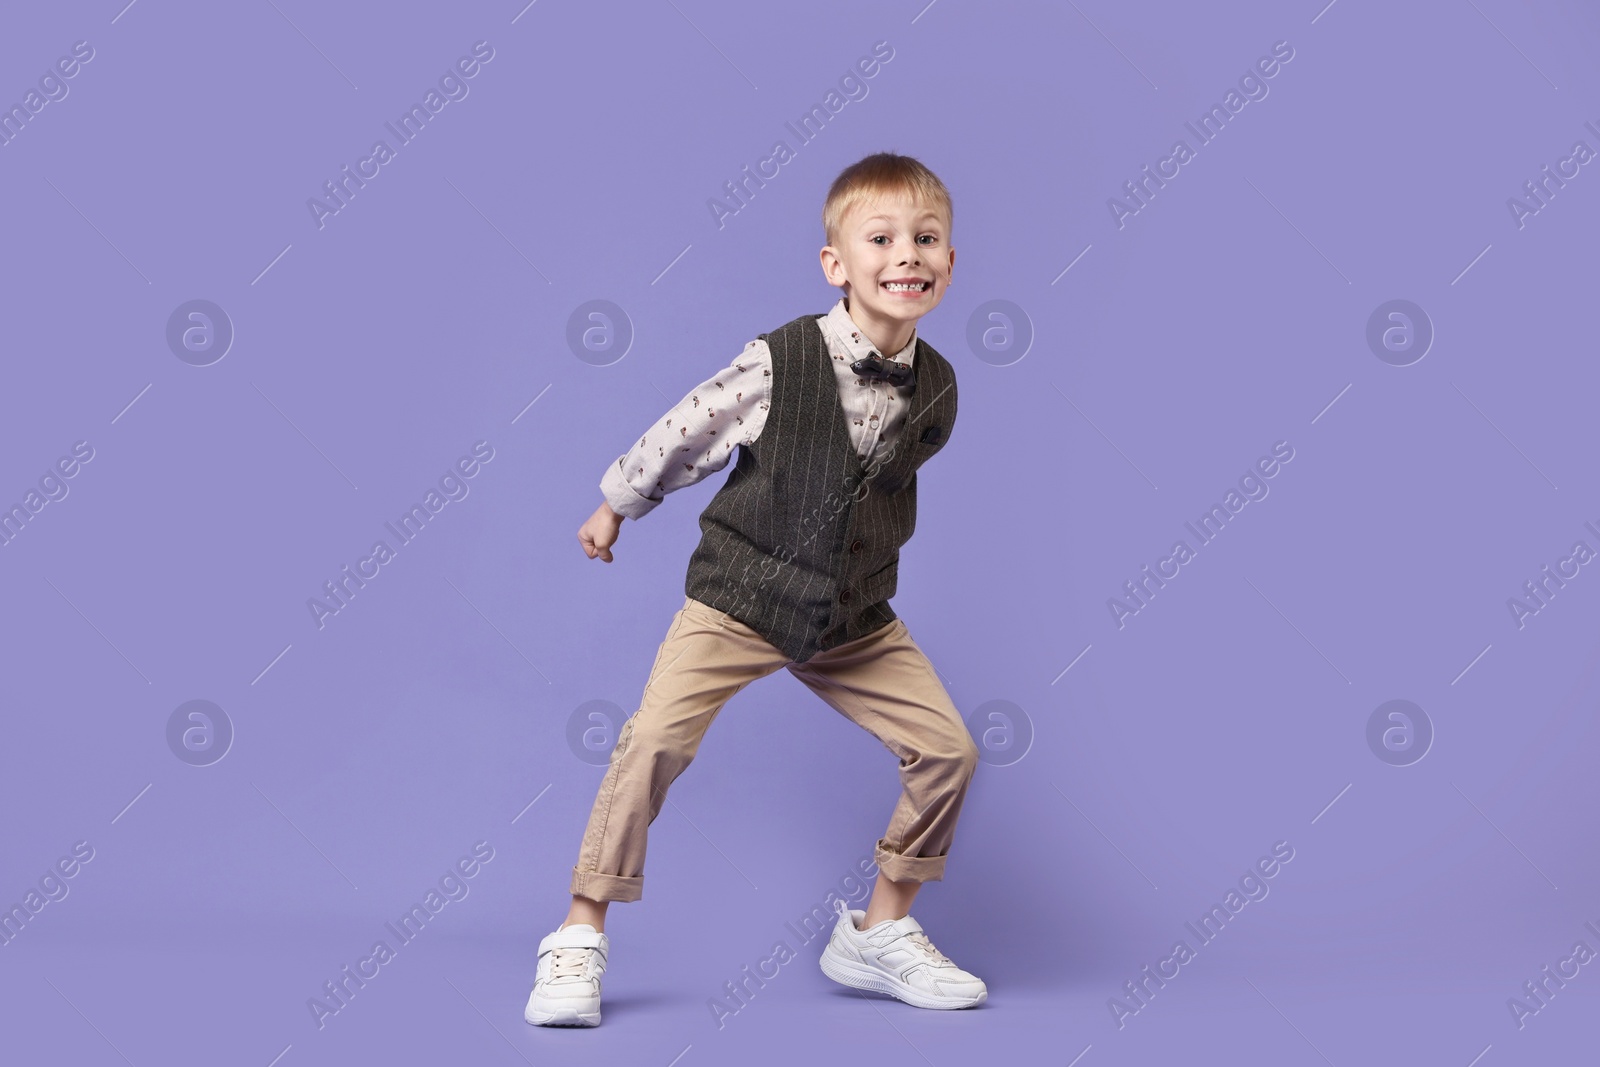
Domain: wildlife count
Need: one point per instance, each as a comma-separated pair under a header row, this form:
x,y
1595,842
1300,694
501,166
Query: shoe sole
x,y
857,977
561,1017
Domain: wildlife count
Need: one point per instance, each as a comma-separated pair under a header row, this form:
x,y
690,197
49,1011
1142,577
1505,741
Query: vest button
x,y
844,597
855,546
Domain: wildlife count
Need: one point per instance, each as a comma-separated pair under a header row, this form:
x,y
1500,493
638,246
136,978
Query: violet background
x,y
433,712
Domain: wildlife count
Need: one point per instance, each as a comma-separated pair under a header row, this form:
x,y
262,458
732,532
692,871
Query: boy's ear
x,y
829,259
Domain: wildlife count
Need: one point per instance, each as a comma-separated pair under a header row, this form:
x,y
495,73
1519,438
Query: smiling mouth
x,y
904,287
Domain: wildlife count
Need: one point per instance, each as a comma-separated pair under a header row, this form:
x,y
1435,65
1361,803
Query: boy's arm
x,y
696,438
693,440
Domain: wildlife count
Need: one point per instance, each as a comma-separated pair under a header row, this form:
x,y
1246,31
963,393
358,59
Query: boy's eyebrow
x,y
934,215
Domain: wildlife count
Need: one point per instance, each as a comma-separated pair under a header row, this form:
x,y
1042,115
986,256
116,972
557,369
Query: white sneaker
x,y
896,957
566,991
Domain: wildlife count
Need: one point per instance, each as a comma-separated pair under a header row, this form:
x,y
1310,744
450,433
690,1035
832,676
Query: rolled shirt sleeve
x,y
696,438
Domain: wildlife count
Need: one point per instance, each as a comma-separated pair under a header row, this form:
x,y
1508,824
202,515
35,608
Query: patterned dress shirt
x,y
697,437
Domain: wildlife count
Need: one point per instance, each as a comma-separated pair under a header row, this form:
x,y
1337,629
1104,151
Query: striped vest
x,y
802,542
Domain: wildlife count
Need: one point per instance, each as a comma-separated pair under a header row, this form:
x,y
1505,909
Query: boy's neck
x,y
888,336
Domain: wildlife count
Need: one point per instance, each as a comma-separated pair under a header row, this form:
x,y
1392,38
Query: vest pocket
x,y
922,450
881,585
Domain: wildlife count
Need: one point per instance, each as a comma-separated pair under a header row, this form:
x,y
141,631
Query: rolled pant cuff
x,y
598,886
898,868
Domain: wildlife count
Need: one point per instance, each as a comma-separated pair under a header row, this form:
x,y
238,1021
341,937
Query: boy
x,y
796,563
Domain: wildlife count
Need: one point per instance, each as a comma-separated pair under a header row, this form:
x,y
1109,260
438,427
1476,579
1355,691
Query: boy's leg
x,y
884,683
706,658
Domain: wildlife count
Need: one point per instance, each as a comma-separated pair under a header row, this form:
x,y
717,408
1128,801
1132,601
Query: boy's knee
x,y
639,735
968,756
959,755
624,738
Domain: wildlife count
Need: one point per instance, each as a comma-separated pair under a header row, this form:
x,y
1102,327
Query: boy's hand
x,y
599,533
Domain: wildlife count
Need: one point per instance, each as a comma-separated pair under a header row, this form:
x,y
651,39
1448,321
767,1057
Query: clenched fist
x,y
599,532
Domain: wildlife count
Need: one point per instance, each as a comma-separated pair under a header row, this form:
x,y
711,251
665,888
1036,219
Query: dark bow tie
x,y
878,369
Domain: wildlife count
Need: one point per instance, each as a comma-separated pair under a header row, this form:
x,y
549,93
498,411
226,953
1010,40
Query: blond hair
x,y
878,175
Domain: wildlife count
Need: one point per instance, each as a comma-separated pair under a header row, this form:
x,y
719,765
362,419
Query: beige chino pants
x,y
882,682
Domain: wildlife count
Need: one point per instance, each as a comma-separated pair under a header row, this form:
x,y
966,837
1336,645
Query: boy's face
x,y
891,240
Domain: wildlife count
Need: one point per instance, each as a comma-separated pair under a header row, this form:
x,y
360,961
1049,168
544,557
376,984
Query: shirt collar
x,y
852,343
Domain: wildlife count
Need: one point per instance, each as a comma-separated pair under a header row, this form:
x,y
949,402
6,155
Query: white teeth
x,y
897,287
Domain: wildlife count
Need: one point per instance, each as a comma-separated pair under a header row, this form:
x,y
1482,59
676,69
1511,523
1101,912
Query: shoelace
x,y
920,940
568,962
